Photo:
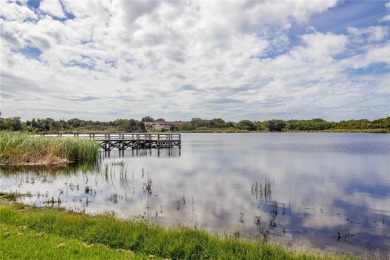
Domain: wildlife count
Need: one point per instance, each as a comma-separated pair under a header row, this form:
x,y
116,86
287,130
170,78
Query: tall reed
x,y
20,148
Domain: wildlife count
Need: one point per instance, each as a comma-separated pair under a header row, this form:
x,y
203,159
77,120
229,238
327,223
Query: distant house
x,y
160,125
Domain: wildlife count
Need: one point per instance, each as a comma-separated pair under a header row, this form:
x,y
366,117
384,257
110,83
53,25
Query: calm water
x,y
329,190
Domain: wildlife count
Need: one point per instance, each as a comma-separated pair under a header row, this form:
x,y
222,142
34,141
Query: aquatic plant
x,y
262,191
23,148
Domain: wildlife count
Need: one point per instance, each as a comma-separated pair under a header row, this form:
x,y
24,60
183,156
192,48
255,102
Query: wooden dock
x,y
122,141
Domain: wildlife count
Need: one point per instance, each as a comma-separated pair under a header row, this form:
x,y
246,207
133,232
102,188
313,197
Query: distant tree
x,y
308,125
147,119
318,120
217,123
174,128
160,119
122,124
260,126
246,125
11,124
2,124
229,124
75,122
136,126
51,124
276,125
186,127
198,122
34,123
354,124
16,124
381,123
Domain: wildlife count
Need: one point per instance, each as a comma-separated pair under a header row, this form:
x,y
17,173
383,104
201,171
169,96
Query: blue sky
x,y
257,60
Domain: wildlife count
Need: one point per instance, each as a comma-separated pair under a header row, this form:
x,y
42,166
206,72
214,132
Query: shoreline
x,y
57,161
179,235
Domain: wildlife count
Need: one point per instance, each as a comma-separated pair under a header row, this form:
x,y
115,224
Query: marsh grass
x,y
140,237
49,170
12,196
23,148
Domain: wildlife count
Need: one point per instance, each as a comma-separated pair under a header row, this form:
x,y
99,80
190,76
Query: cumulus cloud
x,y
52,7
370,34
13,11
184,59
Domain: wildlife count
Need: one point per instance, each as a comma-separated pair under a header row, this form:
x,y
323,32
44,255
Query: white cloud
x,y
372,55
13,11
194,58
52,7
386,18
370,34
323,46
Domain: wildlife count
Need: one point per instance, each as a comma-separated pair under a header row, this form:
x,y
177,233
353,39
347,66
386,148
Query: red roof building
x,y
160,125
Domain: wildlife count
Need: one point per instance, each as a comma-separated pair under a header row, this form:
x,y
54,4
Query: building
x,y
161,125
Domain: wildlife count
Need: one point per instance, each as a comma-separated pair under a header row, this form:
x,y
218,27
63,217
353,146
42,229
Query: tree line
x,y
278,125
196,124
73,125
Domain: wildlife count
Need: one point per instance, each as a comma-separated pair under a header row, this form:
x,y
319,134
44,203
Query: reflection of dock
x,y
165,152
121,142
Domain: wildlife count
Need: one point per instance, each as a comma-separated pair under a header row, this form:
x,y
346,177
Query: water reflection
x,y
262,191
158,152
49,169
258,185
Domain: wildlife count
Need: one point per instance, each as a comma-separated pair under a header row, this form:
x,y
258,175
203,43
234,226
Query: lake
x,y
330,190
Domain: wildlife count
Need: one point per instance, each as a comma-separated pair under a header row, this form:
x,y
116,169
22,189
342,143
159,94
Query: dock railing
x,y
122,141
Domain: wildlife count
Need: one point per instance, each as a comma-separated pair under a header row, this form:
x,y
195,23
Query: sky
x,y
257,60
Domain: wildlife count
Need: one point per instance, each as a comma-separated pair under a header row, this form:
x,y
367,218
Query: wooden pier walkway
x,y
130,140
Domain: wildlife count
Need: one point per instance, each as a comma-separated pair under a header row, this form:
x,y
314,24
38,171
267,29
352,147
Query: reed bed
x,y
24,148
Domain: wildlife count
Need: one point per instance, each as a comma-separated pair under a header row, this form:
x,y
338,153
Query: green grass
x,y
23,148
371,131
60,226
23,243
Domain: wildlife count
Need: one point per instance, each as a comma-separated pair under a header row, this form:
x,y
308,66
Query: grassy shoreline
x,y
78,235
26,149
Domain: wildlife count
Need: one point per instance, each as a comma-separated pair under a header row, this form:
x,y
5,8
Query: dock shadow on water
x,y
248,185
157,152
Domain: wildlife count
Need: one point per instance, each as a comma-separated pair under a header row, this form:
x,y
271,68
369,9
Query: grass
x,y
23,148
72,231
41,245
371,131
